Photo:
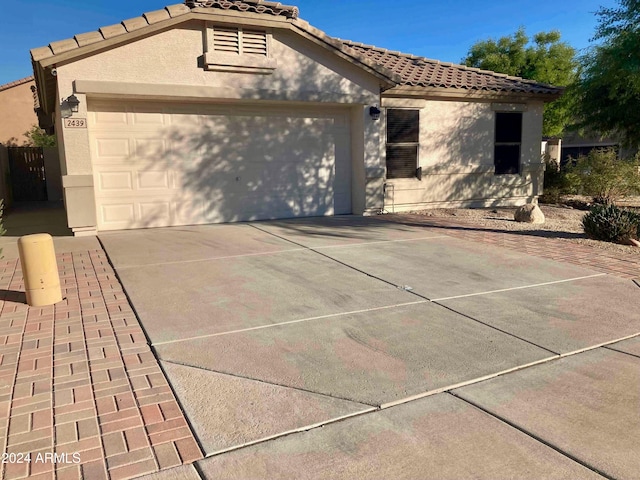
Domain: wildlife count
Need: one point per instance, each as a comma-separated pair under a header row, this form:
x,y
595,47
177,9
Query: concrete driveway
x,y
407,346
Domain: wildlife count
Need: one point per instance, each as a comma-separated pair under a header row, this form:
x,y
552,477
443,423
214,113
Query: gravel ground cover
x,y
563,221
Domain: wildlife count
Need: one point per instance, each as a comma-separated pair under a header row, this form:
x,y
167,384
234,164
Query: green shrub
x,y
555,182
604,176
611,224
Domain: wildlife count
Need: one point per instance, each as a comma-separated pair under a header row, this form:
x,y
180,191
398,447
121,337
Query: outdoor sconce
x,y
374,112
69,106
73,103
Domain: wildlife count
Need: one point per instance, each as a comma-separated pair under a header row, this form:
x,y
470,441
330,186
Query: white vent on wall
x,y
254,43
239,41
239,50
226,40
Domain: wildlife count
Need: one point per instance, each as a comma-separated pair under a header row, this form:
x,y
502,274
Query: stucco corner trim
x,y
203,93
75,181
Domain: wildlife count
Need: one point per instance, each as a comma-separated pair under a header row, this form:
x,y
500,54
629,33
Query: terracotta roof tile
x,y
16,83
402,68
255,6
423,72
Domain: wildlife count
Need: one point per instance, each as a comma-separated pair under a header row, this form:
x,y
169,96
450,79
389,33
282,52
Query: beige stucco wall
x,y
16,113
171,61
456,156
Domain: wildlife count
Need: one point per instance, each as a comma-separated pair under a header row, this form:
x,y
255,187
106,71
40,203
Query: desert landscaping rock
x,y
529,214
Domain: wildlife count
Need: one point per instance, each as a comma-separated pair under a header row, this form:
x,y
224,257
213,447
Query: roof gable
x,y
393,68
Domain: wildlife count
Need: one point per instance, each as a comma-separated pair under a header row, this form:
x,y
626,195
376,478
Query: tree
x,y
609,81
546,60
36,137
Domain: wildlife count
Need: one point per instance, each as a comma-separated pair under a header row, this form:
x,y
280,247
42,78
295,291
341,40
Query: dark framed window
x,y
403,140
508,143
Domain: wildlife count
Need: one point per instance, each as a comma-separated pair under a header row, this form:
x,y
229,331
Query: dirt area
x,y
561,221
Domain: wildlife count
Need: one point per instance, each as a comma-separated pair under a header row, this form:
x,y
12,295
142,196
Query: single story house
x,y
221,111
17,111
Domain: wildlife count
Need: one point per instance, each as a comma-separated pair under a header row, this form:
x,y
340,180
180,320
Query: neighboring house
x,y
219,111
575,145
17,111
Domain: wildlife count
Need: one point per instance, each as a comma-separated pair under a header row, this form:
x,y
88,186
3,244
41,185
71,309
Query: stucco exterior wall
x,y
168,66
16,113
456,155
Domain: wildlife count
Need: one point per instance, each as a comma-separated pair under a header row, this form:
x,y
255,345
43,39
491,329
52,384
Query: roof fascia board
x,y
231,16
467,95
71,55
318,37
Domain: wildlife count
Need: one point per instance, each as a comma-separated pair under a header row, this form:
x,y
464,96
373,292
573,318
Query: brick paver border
x,y
79,378
606,261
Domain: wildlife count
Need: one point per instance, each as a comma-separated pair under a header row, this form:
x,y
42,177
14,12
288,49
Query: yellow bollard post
x,y
39,269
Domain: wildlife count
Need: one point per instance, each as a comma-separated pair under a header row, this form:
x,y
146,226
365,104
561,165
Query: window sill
x,y
221,62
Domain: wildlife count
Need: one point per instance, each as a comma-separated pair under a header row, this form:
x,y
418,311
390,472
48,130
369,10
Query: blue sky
x,y
443,30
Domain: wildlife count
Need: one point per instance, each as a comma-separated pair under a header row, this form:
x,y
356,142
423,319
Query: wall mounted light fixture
x,y
374,111
69,106
73,103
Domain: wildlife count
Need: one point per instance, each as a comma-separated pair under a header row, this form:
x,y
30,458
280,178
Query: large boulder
x,y
530,213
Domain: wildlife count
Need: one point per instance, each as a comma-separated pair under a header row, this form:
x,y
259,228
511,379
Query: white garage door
x,y
162,165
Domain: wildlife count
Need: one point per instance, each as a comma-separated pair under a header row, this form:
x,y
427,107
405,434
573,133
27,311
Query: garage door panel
x,y
108,148
115,181
149,180
174,166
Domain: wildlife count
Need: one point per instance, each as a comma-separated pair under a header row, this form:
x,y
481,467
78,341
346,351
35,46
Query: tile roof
x,y
16,83
255,6
104,33
423,72
404,69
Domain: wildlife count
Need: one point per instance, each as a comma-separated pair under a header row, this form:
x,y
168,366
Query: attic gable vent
x,y
239,41
239,50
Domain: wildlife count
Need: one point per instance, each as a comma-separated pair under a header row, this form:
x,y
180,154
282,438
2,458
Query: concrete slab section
x,y
374,358
186,300
227,411
444,267
183,472
178,244
439,437
631,346
586,405
562,317
343,230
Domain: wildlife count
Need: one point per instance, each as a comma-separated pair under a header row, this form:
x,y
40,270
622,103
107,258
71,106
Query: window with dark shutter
x,y
403,137
508,143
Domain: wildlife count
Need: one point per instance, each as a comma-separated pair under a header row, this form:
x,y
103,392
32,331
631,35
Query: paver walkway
x,y
79,378
531,243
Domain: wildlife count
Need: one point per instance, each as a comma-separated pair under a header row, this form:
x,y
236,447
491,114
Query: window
x,y
403,132
508,142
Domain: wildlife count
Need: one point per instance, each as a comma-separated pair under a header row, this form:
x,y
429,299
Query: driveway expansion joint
x,y
533,436
281,385
315,250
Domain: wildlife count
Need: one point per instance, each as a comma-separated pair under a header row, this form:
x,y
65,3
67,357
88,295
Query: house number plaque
x,y
75,123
